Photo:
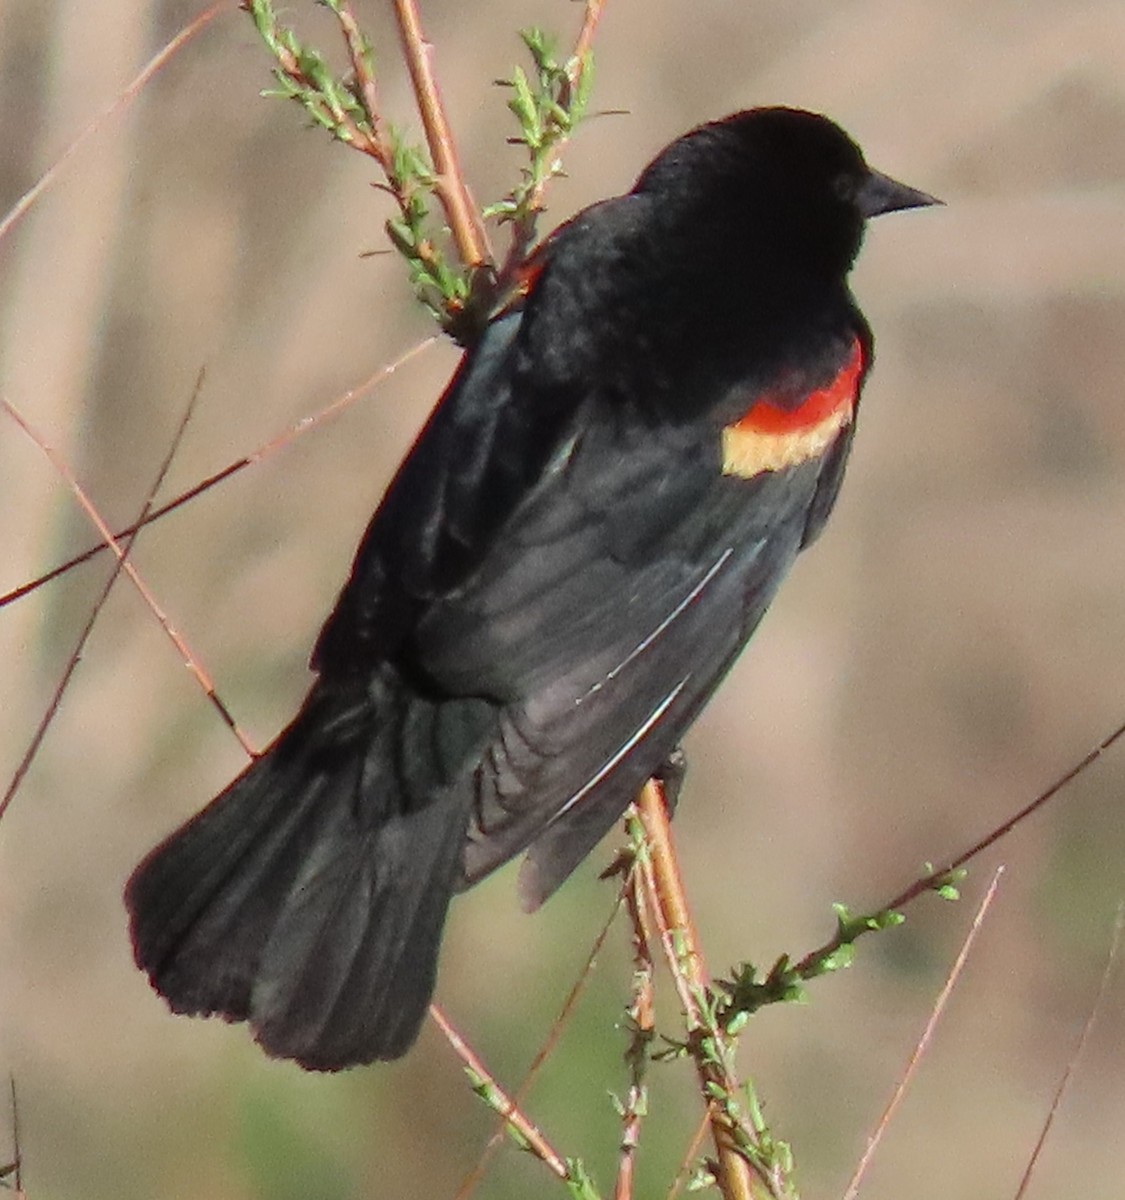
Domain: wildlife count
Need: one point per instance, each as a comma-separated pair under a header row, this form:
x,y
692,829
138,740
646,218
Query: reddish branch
x,y
364,79
279,442
472,1180
584,42
935,879
465,224
642,1017
189,659
122,101
685,960
499,1098
924,1041
84,636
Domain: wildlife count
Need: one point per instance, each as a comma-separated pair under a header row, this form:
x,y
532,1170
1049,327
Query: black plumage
x,y
560,574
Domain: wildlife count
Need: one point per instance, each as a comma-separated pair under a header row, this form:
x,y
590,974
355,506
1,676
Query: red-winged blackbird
x,y
584,536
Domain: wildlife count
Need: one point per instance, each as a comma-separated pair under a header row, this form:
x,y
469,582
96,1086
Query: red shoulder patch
x,y
771,436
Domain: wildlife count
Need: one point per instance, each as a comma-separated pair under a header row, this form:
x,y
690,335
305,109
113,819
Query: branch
x,y
122,101
462,295
53,704
641,1020
348,110
264,451
470,1182
923,1043
548,113
943,880
189,659
359,51
744,1149
579,60
527,1133
1076,1054
449,183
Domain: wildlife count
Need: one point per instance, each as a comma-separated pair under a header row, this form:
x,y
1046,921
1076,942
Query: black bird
x,y
586,533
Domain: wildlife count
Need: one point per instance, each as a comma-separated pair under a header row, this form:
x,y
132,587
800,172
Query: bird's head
x,y
776,178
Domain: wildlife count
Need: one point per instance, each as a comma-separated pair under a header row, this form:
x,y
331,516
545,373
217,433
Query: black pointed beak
x,y
880,193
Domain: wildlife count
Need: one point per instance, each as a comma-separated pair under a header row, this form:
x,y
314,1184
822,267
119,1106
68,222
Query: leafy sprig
x,y
548,105
449,265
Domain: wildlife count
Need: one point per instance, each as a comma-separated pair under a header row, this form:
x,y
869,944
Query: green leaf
x,y
738,1022
402,236
516,1137
581,97
843,956
502,210
578,1182
702,1177
522,103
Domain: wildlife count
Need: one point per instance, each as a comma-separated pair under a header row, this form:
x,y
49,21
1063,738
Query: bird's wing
x,y
562,574
602,620
514,404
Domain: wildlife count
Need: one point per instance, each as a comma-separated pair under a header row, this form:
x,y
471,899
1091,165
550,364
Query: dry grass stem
x,y
255,456
471,1181
1079,1046
123,100
690,1155
14,1169
924,1041
76,654
189,659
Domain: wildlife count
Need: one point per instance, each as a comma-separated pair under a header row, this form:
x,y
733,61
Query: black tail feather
x,y
308,898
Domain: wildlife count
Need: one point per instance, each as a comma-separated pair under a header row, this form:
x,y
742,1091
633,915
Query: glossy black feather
x,y
554,584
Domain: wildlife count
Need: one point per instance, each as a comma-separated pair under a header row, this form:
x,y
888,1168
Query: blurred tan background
x,y
954,642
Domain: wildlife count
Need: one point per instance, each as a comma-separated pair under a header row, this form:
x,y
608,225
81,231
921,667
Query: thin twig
x,y
1079,1047
465,224
95,517
123,100
471,1181
328,109
924,1041
670,899
482,1077
76,654
934,879
585,40
642,1018
684,1172
685,959
17,1151
926,884
364,79
255,456
524,230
